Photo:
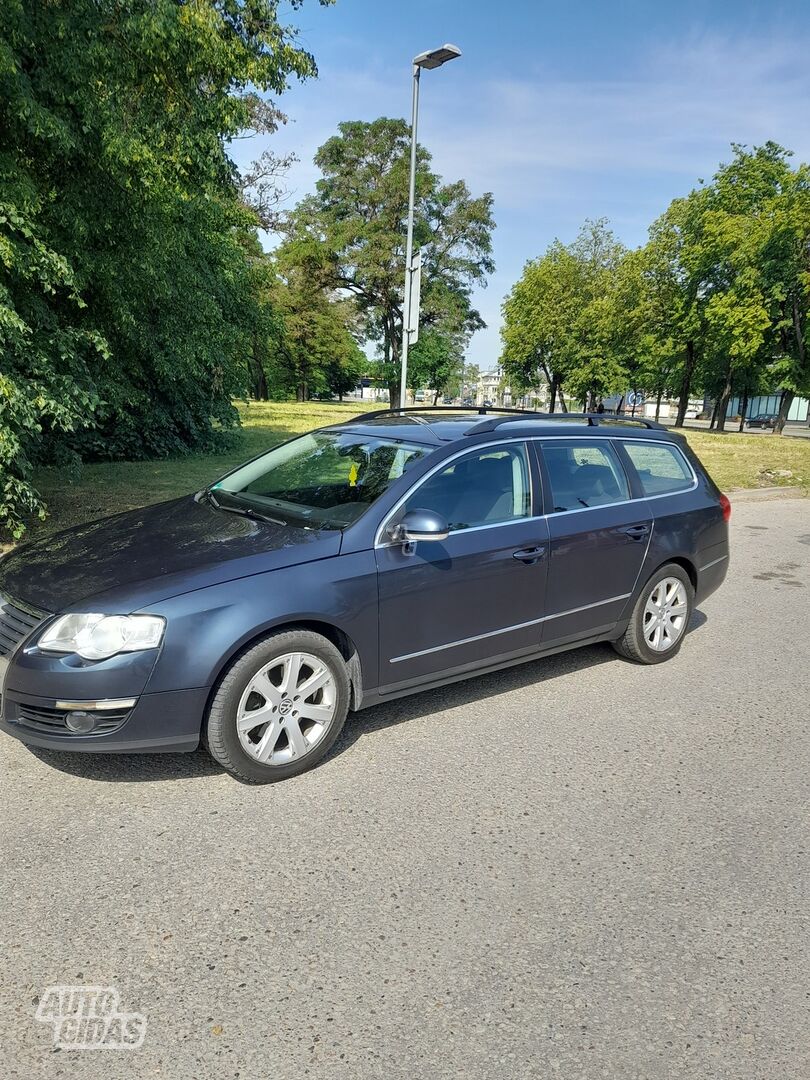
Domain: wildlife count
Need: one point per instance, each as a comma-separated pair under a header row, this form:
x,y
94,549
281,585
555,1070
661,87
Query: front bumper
x,y
168,722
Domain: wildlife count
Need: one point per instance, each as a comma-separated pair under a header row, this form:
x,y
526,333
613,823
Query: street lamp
x,y
433,59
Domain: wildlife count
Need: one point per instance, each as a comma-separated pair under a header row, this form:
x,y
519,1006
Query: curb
x,y
738,495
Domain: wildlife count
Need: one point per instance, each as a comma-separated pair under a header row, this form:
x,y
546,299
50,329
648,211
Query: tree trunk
x,y
715,411
258,379
789,395
784,409
436,398
563,406
743,408
620,405
722,404
553,392
686,383
658,405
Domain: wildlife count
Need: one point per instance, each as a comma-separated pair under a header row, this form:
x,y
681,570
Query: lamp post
x,y
430,60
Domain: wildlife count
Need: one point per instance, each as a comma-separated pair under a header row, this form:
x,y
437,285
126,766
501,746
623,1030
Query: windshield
x,y
324,480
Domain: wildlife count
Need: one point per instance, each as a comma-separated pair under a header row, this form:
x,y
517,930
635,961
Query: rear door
x,y
598,537
455,604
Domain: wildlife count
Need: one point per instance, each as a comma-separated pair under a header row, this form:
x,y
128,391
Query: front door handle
x,y
636,532
529,555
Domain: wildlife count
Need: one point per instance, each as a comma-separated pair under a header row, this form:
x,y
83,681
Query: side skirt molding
x,y
392,693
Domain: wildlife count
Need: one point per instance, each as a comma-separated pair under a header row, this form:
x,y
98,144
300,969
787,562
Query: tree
x,y
436,361
732,262
566,320
680,283
760,229
312,349
35,396
127,300
353,231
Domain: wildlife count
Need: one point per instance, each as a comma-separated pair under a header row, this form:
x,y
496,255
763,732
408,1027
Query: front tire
x,y
660,617
279,708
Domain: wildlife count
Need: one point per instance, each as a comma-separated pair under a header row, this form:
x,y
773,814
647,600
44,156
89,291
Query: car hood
x,y
142,556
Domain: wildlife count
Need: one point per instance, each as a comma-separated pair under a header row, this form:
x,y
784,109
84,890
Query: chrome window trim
x,y
379,543
506,629
551,514
624,502
684,459
470,529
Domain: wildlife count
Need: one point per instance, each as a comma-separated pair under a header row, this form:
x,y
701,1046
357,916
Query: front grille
x,y
52,721
17,622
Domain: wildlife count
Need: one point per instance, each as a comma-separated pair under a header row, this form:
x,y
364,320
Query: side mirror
x,y
419,525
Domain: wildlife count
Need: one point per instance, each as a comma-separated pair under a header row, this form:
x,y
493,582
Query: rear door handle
x,y
529,555
636,532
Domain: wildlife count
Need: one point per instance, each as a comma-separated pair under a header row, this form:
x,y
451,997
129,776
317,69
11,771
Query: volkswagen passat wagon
x,y
350,566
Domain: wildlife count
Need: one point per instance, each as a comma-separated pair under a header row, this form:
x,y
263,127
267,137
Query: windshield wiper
x,y
243,511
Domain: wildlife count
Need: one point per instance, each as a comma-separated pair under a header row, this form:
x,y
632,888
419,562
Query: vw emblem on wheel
x,y
285,705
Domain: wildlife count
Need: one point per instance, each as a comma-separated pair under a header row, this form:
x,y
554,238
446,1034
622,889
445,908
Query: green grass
x,y
739,461
734,461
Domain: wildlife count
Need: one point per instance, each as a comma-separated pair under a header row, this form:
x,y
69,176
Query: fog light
x,y
80,722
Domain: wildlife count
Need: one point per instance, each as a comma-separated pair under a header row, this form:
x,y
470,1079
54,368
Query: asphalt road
x,y
579,868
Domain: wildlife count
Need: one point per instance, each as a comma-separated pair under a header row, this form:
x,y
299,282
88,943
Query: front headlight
x,y
98,637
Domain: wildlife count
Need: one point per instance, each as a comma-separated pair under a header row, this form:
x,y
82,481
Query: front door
x,y
598,538
455,604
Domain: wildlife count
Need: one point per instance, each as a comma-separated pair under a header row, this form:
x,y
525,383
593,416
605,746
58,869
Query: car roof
x,y
442,424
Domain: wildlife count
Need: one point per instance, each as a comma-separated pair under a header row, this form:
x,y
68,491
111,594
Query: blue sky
x,y
565,111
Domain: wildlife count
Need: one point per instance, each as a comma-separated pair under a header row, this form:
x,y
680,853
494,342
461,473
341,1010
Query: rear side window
x,y
661,469
584,474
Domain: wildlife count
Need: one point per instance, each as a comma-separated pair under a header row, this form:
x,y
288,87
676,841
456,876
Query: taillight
x,y
725,506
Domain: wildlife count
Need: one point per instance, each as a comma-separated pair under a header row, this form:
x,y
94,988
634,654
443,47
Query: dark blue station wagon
x,y
350,566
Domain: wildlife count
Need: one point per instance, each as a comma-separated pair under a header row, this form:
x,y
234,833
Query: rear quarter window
x,y
661,469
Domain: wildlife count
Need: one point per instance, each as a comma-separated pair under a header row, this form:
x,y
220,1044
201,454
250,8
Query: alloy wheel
x,y
665,614
287,708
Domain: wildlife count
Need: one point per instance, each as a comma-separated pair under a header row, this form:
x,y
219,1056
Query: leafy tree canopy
x,y
126,294
351,233
716,301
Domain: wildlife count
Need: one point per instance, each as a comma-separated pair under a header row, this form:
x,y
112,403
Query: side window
x,y
481,488
583,474
660,468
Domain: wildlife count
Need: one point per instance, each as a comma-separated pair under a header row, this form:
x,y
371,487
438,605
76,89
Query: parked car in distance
x,y
486,404
691,414
348,567
762,420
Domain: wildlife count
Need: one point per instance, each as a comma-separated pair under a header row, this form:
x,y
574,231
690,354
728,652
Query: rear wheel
x,y
660,617
279,708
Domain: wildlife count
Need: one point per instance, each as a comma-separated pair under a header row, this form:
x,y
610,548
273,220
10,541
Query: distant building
x,y
763,403
491,388
799,411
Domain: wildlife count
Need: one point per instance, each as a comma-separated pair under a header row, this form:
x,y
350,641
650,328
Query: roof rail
x,y
594,420
482,410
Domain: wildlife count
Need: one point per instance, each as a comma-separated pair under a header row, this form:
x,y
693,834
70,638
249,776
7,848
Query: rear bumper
x,y
711,573
169,722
